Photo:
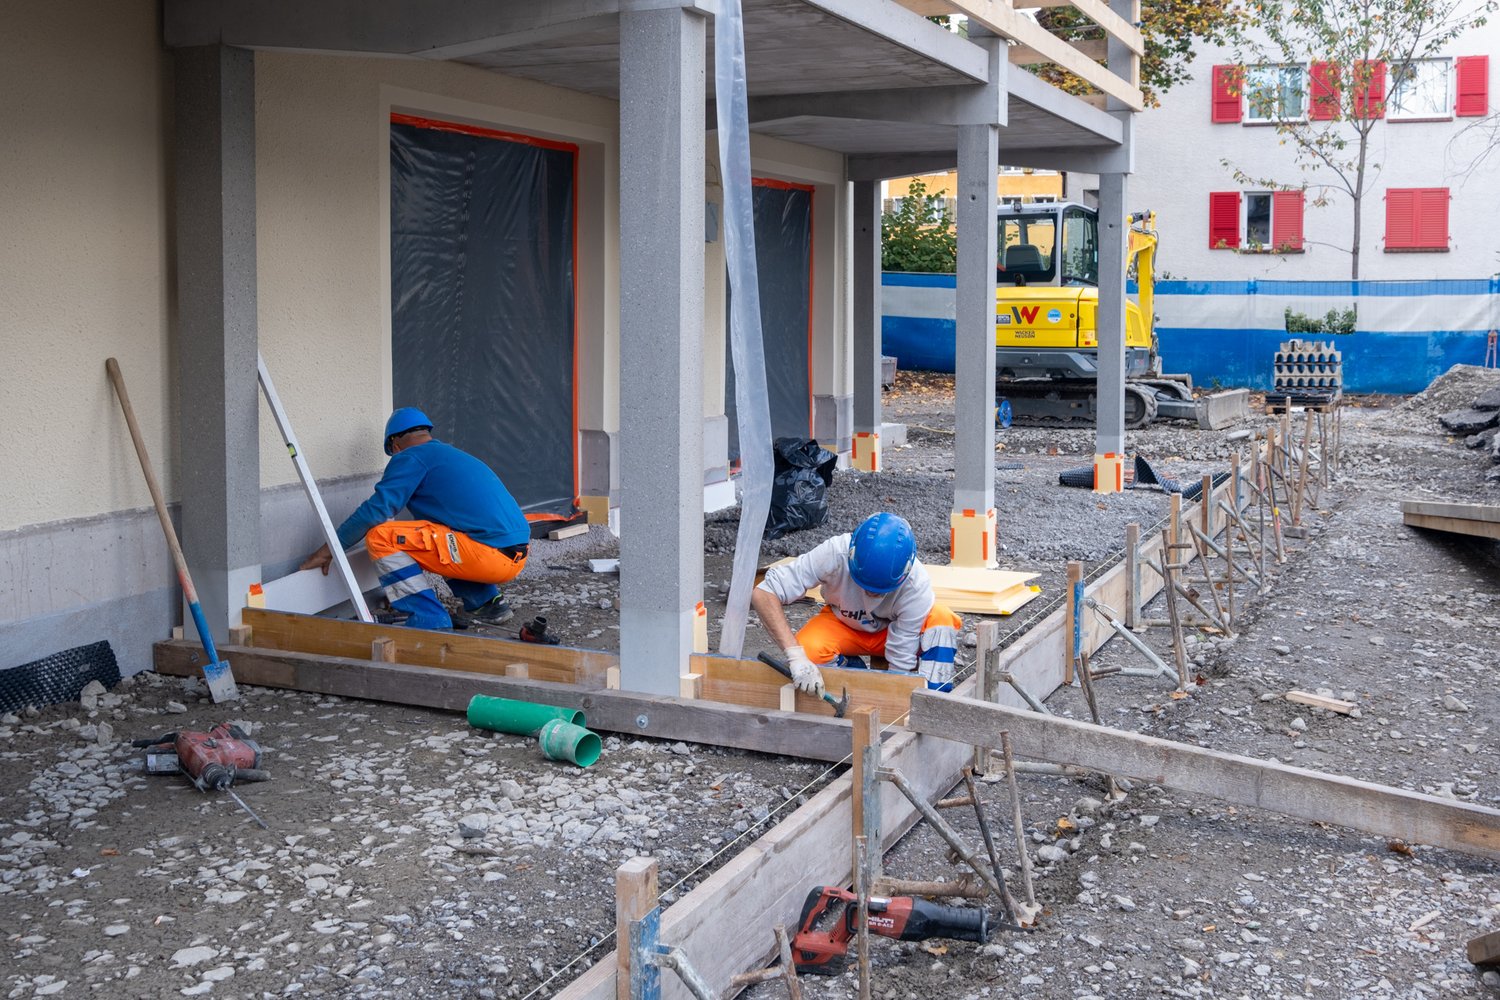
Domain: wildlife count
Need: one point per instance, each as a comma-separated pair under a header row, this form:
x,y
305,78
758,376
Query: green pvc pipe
x,y
564,741
521,718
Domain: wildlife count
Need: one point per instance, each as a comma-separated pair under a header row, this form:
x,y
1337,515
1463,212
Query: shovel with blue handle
x,y
216,672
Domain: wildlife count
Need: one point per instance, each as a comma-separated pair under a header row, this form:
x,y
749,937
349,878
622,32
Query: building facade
x,y
1235,202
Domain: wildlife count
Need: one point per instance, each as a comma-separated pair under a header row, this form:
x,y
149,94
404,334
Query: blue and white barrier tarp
x,y
1227,332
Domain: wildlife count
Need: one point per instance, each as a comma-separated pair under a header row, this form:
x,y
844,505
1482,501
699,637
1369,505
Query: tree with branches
x,y
1322,73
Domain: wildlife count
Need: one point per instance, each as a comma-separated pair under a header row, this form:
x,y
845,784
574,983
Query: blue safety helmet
x,y
881,553
408,418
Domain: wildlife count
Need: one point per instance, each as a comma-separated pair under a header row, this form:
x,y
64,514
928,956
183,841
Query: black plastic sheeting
x,y
59,677
783,261
482,302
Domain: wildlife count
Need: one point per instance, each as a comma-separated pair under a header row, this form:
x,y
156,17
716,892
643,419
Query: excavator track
x,y
1055,403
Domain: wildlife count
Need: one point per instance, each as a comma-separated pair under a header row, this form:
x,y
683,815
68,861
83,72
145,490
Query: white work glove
x,y
805,674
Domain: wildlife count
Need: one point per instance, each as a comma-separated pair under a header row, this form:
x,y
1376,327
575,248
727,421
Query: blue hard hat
x,y
881,553
407,418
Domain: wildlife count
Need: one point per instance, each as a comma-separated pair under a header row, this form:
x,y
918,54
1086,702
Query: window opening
x,y
1419,89
1275,93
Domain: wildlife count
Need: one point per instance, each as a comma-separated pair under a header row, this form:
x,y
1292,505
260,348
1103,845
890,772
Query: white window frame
x,y
1245,242
1250,116
1445,102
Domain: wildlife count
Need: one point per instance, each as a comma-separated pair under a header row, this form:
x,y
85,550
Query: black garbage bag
x,y
799,491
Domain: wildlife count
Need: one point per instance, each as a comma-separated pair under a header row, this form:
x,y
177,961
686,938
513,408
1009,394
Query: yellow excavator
x,y
1046,320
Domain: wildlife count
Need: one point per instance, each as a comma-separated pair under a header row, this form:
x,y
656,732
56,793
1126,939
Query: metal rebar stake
x,y
1019,825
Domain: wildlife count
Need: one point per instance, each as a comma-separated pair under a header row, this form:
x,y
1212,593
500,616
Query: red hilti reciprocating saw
x,y
905,918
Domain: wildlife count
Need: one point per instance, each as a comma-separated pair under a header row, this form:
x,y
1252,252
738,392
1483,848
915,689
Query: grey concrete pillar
x,y
662,56
974,351
218,472
864,267
1113,228
1113,250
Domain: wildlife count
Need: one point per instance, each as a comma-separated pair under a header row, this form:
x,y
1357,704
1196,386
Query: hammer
x,y
840,705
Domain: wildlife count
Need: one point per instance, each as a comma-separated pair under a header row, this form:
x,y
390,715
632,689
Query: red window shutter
x,y
1228,86
1286,220
1432,218
1223,219
1369,101
1473,98
1323,79
1400,218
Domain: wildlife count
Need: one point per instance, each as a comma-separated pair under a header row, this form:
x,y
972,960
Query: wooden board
x,y
1485,949
418,647
568,532
1321,701
1245,781
624,712
1480,520
752,683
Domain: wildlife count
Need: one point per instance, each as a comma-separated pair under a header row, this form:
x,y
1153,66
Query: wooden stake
x,y
862,889
635,896
1071,623
383,650
866,732
986,676
1169,593
1302,471
1208,579
1017,823
1206,507
1132,575
690,686
243,635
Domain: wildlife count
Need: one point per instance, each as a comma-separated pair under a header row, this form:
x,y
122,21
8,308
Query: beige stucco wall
x,y
85,251
323,198
83,255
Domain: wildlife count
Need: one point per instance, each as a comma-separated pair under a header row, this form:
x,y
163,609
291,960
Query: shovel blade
x,y
220,681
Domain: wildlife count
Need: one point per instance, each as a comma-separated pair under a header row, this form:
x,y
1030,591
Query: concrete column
x,y
1109,444
1113,234
973,518
218,473
864,267
662,56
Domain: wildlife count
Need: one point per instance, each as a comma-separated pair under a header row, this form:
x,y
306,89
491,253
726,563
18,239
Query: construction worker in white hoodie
x,y
877,602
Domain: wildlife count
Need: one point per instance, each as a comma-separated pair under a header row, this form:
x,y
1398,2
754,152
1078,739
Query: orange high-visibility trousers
x,y
441,550
824,636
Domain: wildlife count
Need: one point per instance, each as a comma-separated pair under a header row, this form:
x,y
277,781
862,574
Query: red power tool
x,y
905,918
212,760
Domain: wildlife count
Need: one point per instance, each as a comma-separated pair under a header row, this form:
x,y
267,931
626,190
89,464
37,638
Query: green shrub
x,y
1335,322
919,235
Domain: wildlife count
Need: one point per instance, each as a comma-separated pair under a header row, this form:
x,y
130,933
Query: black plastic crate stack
x,y
1306,373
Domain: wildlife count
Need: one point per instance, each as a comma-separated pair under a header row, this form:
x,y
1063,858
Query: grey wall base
x,y
110,577
833,422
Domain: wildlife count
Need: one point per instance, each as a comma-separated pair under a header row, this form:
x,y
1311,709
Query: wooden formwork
x,y
769,879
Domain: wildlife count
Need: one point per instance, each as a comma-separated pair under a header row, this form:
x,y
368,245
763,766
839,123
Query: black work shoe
x,y
495,612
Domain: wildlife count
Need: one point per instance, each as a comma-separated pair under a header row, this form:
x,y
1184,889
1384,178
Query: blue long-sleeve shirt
x,y
438,482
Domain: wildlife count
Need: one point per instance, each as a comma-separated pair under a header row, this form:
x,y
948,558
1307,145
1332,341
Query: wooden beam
x,y
1485,949
756,685
626,712
1321,701
1003,19
1025,55
419,647
1480,520
1291,791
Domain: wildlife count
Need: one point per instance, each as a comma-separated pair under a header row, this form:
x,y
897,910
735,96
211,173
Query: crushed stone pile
x,y
1455,389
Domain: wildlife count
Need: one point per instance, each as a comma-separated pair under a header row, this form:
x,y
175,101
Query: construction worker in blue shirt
x,y
878,601
466,527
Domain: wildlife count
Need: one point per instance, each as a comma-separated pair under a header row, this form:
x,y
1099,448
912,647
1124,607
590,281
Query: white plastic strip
x,y
745,340
310,485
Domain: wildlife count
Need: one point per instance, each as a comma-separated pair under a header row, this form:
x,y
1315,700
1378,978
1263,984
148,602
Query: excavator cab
x,y
1031,253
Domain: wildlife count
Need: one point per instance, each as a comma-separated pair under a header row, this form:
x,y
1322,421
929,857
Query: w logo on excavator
x,y
1024,314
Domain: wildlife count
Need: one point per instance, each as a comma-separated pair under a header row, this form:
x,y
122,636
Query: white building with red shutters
x,y
1234,201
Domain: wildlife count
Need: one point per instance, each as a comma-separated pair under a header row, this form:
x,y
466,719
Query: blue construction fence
x,y
1227,332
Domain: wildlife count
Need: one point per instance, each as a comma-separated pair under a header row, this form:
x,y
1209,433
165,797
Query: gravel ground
x,y
410,856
